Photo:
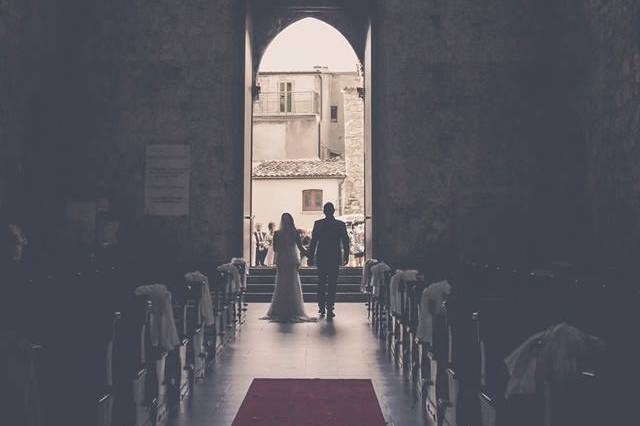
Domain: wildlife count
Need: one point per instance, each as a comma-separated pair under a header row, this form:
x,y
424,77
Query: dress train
x,y
287,304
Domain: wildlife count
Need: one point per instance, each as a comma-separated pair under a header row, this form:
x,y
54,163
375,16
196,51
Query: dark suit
x,y
261,250
328,238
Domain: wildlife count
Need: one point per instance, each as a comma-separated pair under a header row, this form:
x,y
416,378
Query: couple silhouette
x,y
328,250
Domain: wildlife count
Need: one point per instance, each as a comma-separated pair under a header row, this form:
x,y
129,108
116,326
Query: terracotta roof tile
x,y
299,168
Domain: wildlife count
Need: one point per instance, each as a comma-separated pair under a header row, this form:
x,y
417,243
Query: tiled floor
x,y
346,348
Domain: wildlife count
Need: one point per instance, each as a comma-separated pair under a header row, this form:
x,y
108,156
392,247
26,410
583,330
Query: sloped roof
x,y
300,169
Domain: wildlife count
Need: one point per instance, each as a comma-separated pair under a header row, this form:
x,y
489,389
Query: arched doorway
x,y
264,23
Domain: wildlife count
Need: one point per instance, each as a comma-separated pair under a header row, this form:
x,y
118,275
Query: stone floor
x,y
344,348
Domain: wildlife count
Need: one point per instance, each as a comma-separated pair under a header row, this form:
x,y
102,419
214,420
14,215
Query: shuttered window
x,y
312,200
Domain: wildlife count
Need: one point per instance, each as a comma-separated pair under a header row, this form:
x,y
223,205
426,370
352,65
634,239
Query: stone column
x,y
353,194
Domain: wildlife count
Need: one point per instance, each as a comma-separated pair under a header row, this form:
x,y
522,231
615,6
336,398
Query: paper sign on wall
x,y
167,173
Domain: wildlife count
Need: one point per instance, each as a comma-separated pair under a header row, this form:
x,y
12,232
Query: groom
x,y
328,236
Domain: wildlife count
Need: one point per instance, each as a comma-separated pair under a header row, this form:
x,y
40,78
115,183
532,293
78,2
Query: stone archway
x,y
264,20
351,18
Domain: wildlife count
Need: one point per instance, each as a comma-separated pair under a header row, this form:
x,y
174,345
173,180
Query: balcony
x,y
287,103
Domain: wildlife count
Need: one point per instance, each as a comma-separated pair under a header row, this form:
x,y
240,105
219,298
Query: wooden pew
x,y
129,364
463,372
401,347
435,366
155,400
502,326
178,369
368,289
194,329
492,309
220,284
395,321
107,397
543,298
92,334
75,324
386,324
414,296
240,296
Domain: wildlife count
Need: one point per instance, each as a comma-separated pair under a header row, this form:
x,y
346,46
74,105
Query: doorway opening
x,y
308,136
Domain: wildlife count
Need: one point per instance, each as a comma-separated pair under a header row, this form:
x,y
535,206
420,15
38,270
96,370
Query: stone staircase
x,y
261,283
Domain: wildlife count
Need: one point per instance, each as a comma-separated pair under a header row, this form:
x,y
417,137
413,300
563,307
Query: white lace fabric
x,y
163,326
377,276
430,306
206,304
548,356
287,304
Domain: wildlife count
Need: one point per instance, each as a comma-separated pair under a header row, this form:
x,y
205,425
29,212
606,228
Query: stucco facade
x,y
300,116
279,138
272,197
301,125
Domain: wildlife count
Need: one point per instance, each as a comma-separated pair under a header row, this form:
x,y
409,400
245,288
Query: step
x,y
309,297
305,279
303,271
306,288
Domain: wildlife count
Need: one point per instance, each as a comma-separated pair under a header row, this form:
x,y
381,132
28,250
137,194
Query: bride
x,y
287,304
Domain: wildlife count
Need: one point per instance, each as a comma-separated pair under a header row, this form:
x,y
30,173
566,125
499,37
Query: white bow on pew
x,y
21,378
395,298
238,261
366,274
206,304
548,356
235,281
431,305
377,276
163,326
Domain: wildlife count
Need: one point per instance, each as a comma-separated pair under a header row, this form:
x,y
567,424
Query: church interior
x,y
499,284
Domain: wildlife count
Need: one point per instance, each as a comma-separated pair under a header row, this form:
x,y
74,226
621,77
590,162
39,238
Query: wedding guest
x,y
261,249
271,229
306,240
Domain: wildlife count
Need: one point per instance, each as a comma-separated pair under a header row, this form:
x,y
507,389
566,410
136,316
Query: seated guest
x,y
12,243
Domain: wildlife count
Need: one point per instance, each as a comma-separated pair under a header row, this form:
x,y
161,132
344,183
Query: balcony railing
x,y
284,103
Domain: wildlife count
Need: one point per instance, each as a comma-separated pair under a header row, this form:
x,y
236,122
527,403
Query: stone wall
x,y
353,188
588,55
170,72
612,128
510,129
506,128
454,108
27,46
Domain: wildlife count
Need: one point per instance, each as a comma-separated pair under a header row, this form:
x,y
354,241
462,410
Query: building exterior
x,y
308,145
298,187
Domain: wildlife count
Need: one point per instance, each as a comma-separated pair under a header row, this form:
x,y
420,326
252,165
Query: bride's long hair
x,y
287,231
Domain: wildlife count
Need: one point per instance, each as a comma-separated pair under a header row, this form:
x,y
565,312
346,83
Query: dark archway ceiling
x,y
350,17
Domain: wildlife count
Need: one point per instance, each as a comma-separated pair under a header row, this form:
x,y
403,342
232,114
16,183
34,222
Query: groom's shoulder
x,y
337,224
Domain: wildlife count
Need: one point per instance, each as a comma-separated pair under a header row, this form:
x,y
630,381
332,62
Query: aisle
x,y
346,348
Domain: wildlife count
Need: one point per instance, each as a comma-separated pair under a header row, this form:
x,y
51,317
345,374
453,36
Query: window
x,y
286,93
334,113
312,200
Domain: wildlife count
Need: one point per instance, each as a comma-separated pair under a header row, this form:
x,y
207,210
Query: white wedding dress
x,y
287,304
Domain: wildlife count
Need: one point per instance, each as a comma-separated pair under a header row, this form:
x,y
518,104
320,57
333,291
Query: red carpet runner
x,y
310,402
